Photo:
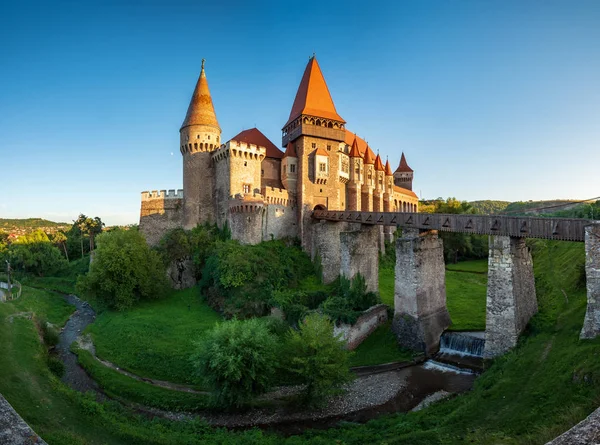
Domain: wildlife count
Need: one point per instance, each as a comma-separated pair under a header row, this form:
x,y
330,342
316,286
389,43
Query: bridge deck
x,y
566,229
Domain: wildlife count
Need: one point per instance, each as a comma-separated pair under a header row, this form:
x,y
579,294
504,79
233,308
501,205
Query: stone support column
x,y
360,254
591,323
326,246
420,309
511,299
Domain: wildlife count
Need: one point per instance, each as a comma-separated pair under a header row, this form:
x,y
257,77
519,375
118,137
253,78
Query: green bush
x,y
56,366
124,271
49,333
349,298
240,280
317,359
237,361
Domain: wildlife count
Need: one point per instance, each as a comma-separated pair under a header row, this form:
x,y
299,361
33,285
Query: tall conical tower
x,y
200,135
317,133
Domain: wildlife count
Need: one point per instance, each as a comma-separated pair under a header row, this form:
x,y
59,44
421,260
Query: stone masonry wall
x,y
359,253
370,320
246,218
420,291
326,245
159,214
13,429
591,323
279,221
198,187
511,299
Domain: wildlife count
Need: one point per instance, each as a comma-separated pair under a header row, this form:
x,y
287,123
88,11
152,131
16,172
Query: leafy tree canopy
x,y
124,271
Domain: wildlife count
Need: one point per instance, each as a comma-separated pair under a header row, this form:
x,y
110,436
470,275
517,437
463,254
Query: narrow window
x,y
314,145
246,188
328,147
322,167
292,168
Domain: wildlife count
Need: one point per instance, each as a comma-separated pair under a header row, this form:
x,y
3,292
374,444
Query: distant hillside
x,y
30,224
541,207
489,207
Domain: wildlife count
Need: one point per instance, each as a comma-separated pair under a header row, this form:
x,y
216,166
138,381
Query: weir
x,y
462,344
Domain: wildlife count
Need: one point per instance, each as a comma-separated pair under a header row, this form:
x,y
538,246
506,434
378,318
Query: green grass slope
x,y
156,338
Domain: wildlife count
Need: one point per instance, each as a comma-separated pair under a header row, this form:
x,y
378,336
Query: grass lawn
x,y
25,380
466,285
380,347
156,338
465,298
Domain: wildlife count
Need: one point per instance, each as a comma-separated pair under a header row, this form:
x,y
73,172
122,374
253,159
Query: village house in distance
x,y
264,193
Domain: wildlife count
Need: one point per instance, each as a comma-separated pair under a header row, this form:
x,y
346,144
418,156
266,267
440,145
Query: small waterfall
x,y
462,344
446,367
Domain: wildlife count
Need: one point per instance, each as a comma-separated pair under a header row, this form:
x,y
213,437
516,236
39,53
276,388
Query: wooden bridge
x,y
565,229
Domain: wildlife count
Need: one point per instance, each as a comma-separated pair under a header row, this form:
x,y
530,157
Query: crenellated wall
x,y
161,211
246,217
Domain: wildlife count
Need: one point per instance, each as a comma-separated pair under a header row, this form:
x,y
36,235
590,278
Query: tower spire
x,y
201,110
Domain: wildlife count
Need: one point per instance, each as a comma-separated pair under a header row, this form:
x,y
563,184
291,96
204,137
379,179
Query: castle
x,y
263,193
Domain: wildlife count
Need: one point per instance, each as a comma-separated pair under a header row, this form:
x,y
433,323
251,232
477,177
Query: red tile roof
x,y
369,157
354,151
313,97
403,167
290,151
361,144
321,152
378,164
388,169
201,110
254,136
405,191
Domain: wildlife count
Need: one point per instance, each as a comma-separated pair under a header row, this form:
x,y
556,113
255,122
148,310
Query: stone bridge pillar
x,y
325,244
511,299
420,309
360,254
591,323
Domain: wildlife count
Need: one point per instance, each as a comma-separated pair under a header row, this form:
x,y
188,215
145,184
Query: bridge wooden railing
x,y
566,229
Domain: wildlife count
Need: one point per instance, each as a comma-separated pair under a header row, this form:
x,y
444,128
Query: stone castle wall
x,y
356,333
161,211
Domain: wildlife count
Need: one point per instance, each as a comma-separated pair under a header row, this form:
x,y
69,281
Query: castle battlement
x,y
162,194
278,196
249,203
239,149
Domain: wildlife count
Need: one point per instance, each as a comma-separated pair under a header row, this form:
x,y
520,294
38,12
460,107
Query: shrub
x,y
124,271
49,333
237,361
56,366
317,359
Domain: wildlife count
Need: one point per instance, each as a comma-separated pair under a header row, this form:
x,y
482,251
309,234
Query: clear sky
x,y
489,99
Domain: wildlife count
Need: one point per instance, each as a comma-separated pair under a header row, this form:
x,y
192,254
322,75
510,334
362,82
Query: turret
x,y
388,192
379,185
356,177
403,176
200,135
289,168
368,180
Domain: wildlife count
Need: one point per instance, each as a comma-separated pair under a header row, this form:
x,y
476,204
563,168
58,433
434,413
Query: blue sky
x,y
488,99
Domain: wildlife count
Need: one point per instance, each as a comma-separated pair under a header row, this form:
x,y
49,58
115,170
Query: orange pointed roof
x,y
403,167
319,151
201,110
313,96
290,151
388,169
256,137
354,151
378,163
369,157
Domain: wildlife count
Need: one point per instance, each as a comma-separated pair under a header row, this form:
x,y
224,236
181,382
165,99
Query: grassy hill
x,y
489,207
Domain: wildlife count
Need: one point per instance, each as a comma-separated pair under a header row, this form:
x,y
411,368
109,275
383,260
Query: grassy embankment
x,y
548,383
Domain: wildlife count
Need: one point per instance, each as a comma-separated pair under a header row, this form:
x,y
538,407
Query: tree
x,y
317,359
60,239
237,360
35,253
125,270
